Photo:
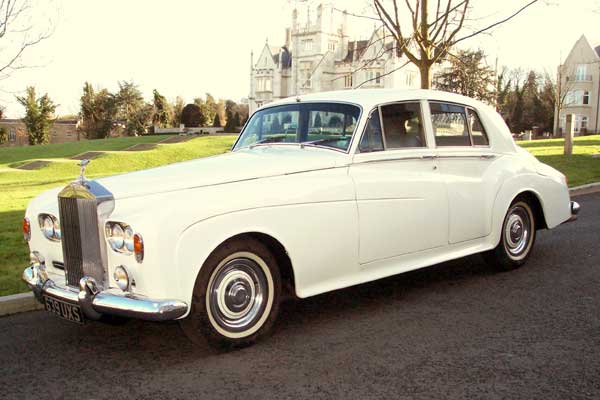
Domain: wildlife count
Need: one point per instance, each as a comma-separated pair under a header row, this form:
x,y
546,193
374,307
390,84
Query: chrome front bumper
x,y
94,303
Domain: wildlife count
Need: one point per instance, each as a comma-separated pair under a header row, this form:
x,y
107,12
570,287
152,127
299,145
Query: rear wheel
x,y
236,295
517,237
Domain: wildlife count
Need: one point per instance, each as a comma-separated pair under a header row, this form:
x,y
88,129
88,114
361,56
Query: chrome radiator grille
x,y
82,250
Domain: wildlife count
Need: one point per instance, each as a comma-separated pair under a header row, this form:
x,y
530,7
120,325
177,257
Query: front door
x,y
401,199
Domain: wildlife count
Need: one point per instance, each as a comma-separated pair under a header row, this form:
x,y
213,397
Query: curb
x,y
585,189
22,302
18,303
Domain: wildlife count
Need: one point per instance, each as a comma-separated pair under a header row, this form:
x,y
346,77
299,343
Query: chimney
x,y
288,37
319,16
295,19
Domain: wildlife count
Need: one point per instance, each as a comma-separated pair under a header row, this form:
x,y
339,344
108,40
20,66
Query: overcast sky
x,y
186,48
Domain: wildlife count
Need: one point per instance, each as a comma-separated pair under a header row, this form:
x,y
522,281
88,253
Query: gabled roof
x,y
583,51
265,60
357,47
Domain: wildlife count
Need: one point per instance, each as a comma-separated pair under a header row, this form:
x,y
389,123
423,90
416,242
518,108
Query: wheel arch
x,y
503,201
279,252
534,200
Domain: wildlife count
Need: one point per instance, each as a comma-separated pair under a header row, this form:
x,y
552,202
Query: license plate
x,y
68,311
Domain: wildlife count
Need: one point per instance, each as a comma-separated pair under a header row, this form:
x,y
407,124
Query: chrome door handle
x,y
487,156
428,157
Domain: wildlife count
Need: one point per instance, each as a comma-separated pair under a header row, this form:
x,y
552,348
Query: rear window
x,y
449,124
477,131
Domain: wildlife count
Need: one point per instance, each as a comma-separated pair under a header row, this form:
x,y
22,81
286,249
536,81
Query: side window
x,y
477,132
449,125
371,138
402,125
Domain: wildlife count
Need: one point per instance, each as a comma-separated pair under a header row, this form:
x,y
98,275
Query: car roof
x,y
368,98
501,139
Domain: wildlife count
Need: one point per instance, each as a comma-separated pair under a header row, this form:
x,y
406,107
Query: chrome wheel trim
x,y
518,231
239,295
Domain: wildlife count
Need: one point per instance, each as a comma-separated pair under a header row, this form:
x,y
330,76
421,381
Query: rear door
x,y
465,159
401,198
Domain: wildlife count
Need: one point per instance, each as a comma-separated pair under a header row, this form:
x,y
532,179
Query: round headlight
x,y
128,238
121,278
117,239
48,227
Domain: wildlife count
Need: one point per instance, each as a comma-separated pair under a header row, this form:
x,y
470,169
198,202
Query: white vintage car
x,y
319,192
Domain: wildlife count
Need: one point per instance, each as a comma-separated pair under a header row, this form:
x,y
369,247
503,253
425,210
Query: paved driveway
x,y
456,330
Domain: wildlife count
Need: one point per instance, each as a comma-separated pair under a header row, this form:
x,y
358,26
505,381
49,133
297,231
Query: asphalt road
x,y
457,330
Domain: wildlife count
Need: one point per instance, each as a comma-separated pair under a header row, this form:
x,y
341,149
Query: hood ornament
x,y
82,165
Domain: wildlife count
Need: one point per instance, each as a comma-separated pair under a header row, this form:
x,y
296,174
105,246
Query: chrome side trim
x,y
412,158
94,302
478,156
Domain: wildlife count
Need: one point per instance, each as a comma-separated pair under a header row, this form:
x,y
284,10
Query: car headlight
x,y
120,237
50,227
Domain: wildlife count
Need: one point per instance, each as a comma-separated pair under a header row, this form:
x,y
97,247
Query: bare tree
x,y
564,83
19,31
433,30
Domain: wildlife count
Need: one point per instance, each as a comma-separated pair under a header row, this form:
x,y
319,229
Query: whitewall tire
x,y
516,238
236,295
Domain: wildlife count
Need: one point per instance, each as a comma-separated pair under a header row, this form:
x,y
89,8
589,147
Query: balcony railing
x,y
579,78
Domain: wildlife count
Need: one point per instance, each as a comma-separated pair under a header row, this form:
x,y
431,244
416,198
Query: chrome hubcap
x,y
517,231
238,294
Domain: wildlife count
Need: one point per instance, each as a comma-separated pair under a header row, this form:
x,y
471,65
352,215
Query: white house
x,y
318,55
579,88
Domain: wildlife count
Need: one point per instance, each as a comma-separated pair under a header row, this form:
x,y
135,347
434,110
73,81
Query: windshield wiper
x,y
271,139
321,141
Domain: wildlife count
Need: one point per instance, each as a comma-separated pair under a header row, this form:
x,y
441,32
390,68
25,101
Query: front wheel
x,y
517,238
236,295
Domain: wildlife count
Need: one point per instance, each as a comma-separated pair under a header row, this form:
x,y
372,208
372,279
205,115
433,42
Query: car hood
x,y
258,162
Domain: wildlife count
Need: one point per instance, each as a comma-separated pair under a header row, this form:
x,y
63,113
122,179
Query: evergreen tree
x,y
131,108
217,121
468,75
162,114
177,108
318,123
236,120
230,124
39,116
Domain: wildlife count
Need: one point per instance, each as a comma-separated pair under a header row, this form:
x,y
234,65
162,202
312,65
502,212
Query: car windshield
x,y
320,124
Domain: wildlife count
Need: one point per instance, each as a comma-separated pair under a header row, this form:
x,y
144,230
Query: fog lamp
x,y
121,278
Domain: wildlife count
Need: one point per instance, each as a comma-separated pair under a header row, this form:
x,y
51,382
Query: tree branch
x,y
496,23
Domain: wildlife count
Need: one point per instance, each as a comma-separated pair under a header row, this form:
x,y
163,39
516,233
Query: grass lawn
x,y
580,168
17,186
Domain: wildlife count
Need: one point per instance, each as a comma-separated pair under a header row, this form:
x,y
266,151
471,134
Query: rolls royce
x,y
319,192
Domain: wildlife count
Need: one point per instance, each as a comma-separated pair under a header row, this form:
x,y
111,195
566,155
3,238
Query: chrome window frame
x,y
465,108
383,138
474,111
347,151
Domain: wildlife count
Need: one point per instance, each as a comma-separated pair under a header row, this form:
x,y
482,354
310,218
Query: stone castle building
x,y
318,55
580,88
